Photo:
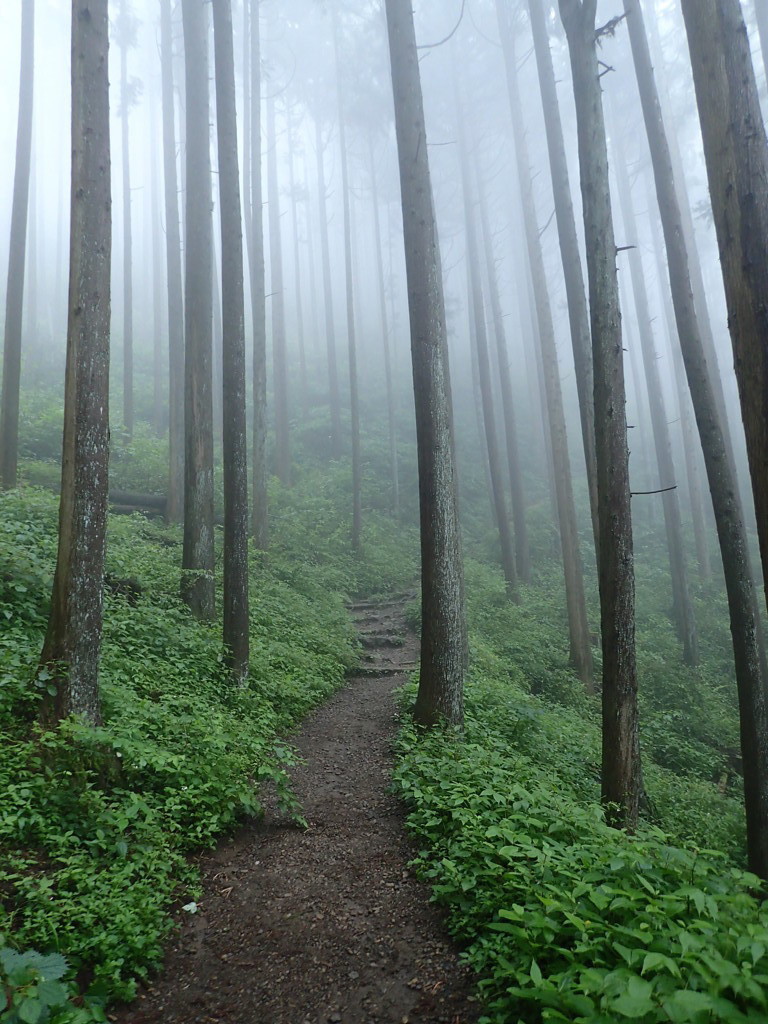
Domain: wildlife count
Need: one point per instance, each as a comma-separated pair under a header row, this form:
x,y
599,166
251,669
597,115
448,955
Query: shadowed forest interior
x,y
384,511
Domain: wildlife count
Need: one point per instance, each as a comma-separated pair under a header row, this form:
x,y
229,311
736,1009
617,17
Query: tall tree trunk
x,y
330,330
682,609
298,302
175,504
14,302
354,395
736,154
198,586
690,441
522,549
621,772
391,418
73,642
154,227
233,352
125,102
578,624
443,622
260,523
279,356
476,309
578,314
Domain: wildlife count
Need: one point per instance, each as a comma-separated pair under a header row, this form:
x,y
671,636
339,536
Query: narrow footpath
x,y
326,926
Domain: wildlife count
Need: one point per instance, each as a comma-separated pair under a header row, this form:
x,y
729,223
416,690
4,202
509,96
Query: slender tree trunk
x,y
737,167
477,403
621,772
682,609
690,440
217,397
279,358
522,550
232,286
14,302
125,101
391,419
32,329
153,227
330,330
476,308
73,642
175,505
443,622
198,586
578,314
354,394
578,624
296,266
260,524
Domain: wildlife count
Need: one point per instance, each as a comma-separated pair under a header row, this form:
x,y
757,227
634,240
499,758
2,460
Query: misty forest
x,y
384,511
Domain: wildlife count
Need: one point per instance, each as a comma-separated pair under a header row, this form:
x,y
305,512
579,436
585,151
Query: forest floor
x,y
327,924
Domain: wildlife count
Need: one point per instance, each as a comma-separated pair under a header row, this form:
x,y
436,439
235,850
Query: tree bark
x,y
682,609
578,624
298,301
233,353
73,641
621,772
279,356
198,585
737,168
443,622
175,505
578,314
14,302
125,35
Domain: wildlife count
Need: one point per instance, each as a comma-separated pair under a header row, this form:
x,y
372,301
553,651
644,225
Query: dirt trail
x,y
326,925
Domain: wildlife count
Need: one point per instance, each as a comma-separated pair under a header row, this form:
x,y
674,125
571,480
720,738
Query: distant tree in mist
x,y
443,623
14,302
621,772
72,647
736,155
198,586
233,352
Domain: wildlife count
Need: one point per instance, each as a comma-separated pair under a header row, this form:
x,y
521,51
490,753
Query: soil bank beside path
x,y
326,925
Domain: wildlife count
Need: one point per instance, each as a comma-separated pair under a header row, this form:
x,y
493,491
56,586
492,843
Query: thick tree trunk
x,y
14,302
125,102
198,585
578,314
279,355
517,490
233,352
173,264
621,772
682,609
443,622
354,396
260,523
736,154
73,642
391,419
330,330
578,624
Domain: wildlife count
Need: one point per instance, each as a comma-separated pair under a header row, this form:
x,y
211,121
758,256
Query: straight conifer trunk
x,y
735,150
330,329
175,505
125,41
233,352
621,772
73,642
14,302
198,586
443,622
298,299
277,287
578,624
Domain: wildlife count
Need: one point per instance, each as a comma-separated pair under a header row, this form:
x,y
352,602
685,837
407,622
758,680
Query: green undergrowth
x,y
96,825
563,917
